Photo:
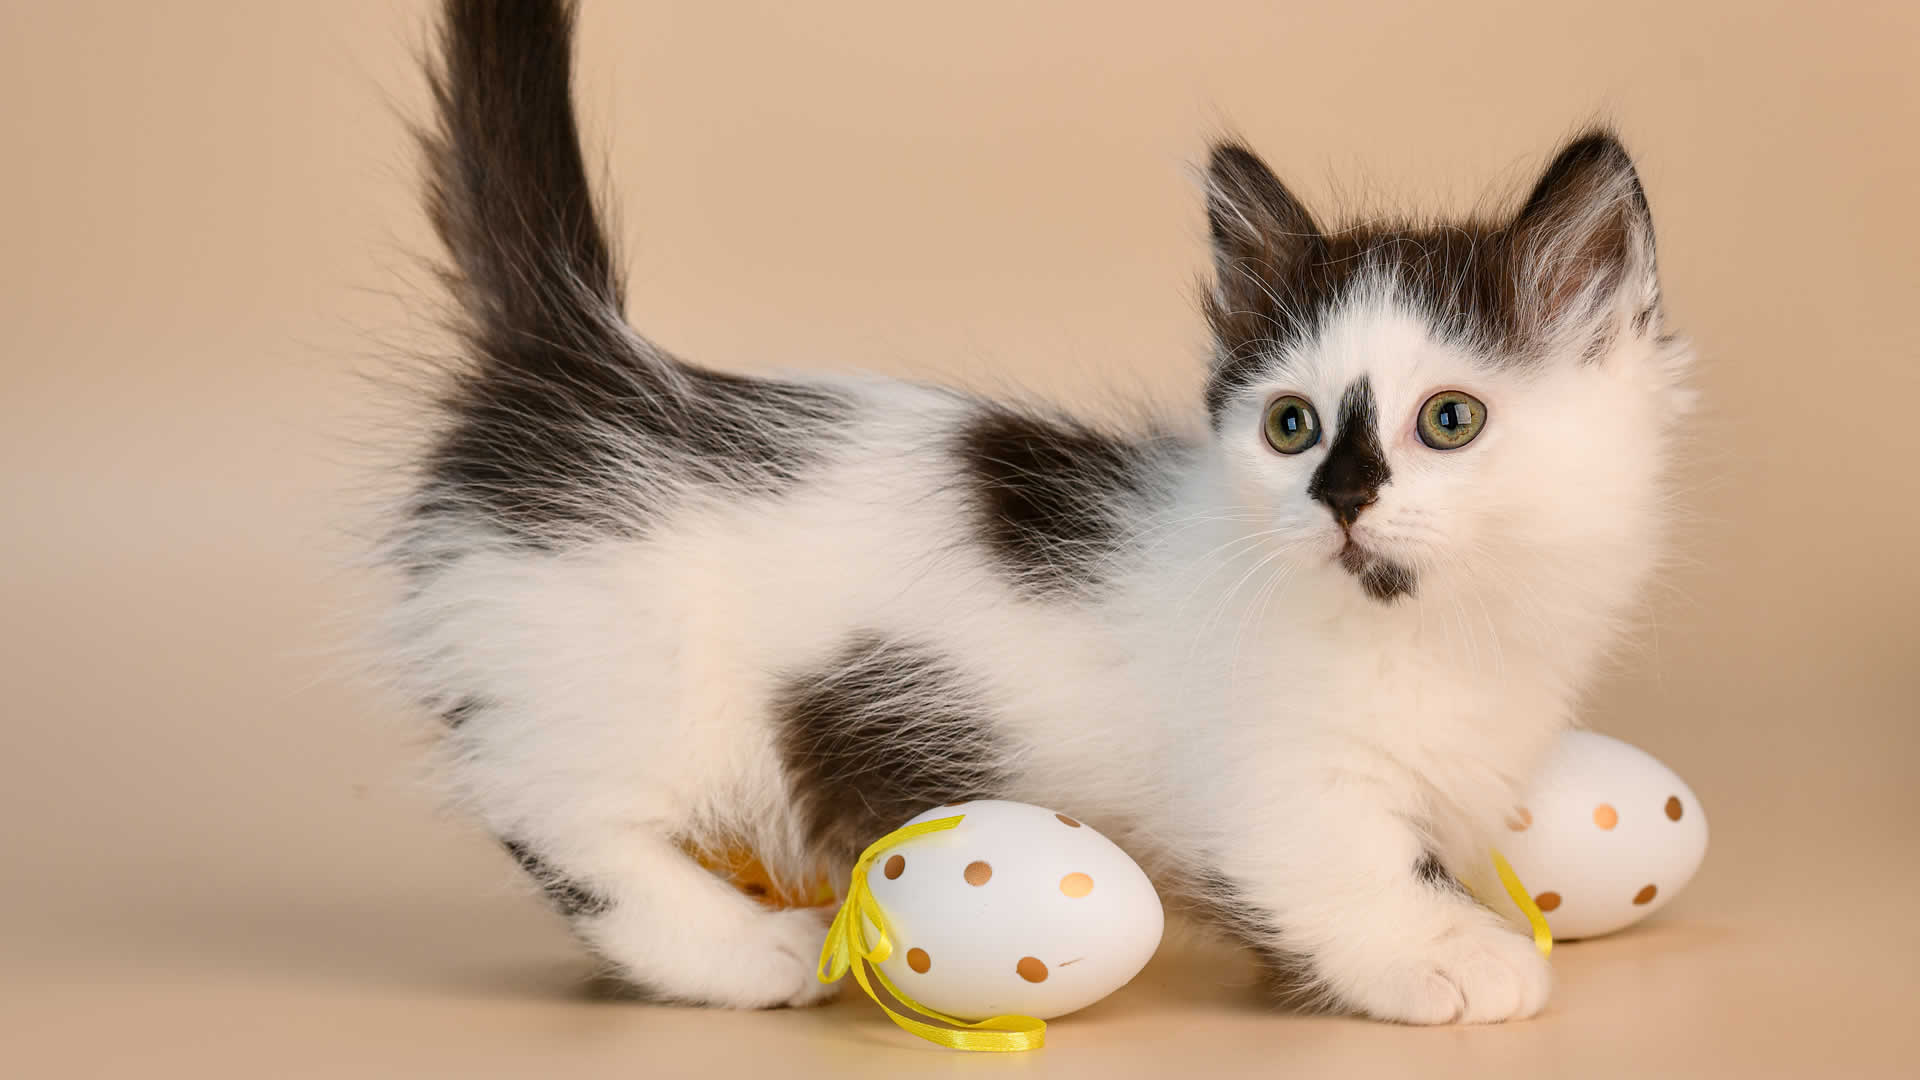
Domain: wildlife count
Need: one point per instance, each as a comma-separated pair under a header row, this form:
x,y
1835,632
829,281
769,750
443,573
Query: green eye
x,y
1450,420
1292,425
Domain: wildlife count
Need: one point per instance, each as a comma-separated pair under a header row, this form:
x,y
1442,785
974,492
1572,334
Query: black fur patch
x,y
1383,580
1052,496
1458,276
1431,870
1355,469
565,423
879,733
1215,901
1279,275
1349,480
553,456
569,897
460,712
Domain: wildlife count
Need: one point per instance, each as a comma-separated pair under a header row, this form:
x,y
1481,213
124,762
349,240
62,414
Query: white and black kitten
x,y
1297,667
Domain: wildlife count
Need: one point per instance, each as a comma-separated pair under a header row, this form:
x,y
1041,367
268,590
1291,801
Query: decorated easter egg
x,y
1017,910
1606,836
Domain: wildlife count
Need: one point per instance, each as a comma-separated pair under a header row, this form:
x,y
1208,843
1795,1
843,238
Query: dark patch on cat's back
x,y
878,732
1052,496
568,896
549,454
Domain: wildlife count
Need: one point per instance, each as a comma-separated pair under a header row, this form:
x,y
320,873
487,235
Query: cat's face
x,y
1480,407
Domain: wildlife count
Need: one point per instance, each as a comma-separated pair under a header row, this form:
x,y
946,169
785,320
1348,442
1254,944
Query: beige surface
x,y
218,861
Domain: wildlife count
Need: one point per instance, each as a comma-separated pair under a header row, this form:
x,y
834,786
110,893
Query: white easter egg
x,y
1606,836
1017,910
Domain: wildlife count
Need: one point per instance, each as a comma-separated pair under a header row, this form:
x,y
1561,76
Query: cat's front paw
x,y
790,967
1480,973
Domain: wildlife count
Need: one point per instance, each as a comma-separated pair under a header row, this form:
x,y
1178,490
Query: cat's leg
x,y
676,932
1361,914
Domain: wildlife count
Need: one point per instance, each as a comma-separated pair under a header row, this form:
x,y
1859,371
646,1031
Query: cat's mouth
x,y
1352,555
1382,578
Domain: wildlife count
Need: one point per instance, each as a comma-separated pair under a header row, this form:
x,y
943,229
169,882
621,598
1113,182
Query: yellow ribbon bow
x,y
849,946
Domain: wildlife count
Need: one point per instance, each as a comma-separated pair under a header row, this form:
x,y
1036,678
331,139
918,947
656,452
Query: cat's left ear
x,y
1582,245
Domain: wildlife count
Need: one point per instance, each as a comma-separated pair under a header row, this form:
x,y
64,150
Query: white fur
x,y
1232,703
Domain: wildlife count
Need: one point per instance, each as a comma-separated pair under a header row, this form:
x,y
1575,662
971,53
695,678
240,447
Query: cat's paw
x,y
790,959
1480,973
765,960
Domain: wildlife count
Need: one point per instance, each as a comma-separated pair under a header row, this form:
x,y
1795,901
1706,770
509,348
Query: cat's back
x,y
939,554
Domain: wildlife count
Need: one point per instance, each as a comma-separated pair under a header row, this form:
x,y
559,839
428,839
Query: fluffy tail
x,y
530,265
566,423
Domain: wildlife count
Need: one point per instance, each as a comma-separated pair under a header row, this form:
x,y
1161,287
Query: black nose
x,y
1349,480
1347,503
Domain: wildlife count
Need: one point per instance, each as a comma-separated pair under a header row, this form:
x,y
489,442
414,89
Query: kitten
x,y
1298,666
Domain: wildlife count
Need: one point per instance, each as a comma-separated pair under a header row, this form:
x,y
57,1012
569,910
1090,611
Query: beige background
x,y
219,860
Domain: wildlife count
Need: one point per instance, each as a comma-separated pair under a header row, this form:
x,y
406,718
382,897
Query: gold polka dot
x,y
978,873
1606,816
1674,809
1521,818
918,960
1076,885
1547,901
1646,895
1031,969
1064,820
895,866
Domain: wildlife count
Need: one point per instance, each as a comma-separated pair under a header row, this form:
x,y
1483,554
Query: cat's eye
x,y
1450,420
1292,425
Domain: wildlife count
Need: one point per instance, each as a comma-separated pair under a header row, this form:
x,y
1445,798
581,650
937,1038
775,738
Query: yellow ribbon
x,y
1542,936
850,947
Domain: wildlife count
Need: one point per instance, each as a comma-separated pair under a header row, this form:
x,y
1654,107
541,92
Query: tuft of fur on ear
x,y
1262,237
1581,248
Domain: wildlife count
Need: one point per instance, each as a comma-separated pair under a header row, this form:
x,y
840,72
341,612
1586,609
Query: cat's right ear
x,y
1262,237
1260,231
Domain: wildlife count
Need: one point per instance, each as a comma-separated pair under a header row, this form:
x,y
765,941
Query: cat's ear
x,y
1257,224
1262,236
1582,245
